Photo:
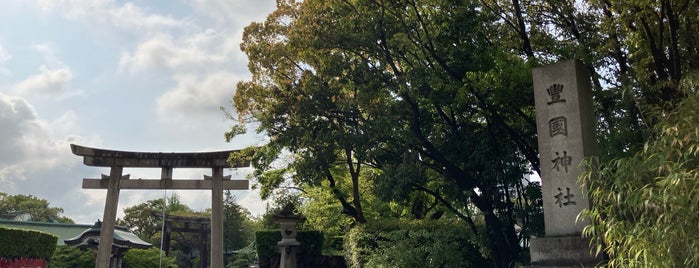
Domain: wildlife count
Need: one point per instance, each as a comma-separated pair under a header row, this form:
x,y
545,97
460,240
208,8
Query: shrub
x,y
16,243
72,257
142,258
412,244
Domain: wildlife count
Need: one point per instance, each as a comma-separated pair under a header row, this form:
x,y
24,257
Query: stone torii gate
x,y
118,160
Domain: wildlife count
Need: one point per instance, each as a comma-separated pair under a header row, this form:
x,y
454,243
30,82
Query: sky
x,y
124,75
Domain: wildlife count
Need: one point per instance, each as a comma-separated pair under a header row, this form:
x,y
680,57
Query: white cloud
x,y
53,79
35,158
197,49
163,52
196,96
49,82
16,117
30,145
126,16
252,201
131,16
74,8
246,11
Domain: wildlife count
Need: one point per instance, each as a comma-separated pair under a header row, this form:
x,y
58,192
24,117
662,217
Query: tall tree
x,y
412,95
144,220
37,208
237,232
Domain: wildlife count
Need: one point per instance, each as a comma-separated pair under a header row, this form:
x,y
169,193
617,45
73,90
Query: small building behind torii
x,y
188,224
123,241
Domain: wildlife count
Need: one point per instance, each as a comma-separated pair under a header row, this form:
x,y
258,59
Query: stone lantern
x,y
288,246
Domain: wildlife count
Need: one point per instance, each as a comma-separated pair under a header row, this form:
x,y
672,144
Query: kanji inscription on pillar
x,y
566,133
557,126
564,199
562,161
555,91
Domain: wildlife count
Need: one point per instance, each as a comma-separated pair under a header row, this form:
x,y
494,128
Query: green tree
x,y
411,96
644,206
38,209
238,231
146,221
144,218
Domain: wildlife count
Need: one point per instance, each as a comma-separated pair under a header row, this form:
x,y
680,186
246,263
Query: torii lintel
x,y
108,158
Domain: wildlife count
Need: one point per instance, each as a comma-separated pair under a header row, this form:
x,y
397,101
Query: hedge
x,y
21,243
413,244
266,242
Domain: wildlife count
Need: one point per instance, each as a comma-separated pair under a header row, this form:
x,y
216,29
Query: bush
x,y
243,257
143,258
412,244
20,243
73,257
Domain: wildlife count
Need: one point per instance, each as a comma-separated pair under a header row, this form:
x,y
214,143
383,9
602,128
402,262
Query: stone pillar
x,y
104,249
166,238
288,246
204,243
566,131
217,217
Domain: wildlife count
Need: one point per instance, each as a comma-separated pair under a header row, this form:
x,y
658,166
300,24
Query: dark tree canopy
x,y
436,96
411,95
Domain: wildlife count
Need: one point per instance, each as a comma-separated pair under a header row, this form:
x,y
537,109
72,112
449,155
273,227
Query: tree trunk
x,y
503,245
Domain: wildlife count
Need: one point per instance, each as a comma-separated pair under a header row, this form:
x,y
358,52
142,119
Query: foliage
x,y
280,200
18,243
143,219
266,241
333,245
405,96
38,208
436,97
637,51
146,221
73,257
142,258
423,243
243,257
237,232
324,212
644,206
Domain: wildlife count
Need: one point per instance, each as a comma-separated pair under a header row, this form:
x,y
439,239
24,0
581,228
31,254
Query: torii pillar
x,y
118,160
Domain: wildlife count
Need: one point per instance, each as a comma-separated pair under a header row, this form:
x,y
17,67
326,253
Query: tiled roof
x,y
122,238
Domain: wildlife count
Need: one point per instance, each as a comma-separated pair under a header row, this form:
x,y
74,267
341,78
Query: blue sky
x,y
125,75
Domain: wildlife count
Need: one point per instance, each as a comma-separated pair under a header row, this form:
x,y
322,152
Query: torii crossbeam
x,y
118,160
